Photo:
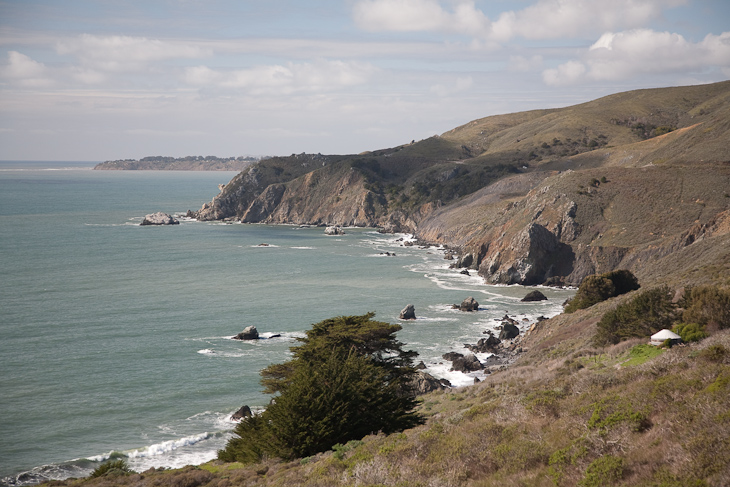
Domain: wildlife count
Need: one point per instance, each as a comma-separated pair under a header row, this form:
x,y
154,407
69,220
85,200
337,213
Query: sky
x,y
95,80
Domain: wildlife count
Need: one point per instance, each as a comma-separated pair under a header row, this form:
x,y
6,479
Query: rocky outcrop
x,y
469,304
485,345
159,218
463,363
248,333
244,412
408,313
334,230
534,296
509,331
530,257
423,383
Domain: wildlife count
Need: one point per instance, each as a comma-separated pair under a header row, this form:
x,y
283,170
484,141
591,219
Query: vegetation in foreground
x,y
627,414
349,377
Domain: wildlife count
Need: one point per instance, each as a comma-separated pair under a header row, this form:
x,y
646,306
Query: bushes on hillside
x,y
702,310
644,315
349,378
708,306
597,288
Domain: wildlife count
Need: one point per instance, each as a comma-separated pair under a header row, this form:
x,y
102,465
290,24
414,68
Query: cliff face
x,y
568,226
632,181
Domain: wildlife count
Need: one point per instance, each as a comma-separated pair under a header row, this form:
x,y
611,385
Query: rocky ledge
x,y
159,218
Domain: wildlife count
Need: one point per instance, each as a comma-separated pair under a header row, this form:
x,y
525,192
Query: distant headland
x,y
187,163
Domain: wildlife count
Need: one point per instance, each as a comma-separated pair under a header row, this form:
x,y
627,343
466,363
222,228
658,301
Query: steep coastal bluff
x,y
637,180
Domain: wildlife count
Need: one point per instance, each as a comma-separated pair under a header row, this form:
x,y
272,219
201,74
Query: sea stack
x,y
159,218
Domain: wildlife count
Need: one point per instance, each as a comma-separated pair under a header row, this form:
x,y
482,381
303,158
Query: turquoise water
x,y
116,337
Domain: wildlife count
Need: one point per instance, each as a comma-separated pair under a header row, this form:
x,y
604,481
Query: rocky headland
x,y
636,180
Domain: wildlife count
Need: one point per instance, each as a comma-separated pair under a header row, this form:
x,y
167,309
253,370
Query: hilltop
x,y
545,196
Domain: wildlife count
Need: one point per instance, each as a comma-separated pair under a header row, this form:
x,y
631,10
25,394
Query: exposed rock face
x,y
534,296
469,304
408,313
244,412
248,333
423,383
461,363
159,218
509,331
531,257
334,230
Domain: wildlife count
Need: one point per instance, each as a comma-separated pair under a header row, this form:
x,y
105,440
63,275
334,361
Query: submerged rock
x,y
408,313
159,218
248,333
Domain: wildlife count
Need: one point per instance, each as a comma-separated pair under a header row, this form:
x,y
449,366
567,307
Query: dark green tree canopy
x,y
597,288
348,378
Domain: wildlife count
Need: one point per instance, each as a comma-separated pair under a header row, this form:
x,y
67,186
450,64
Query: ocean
x,y
115,339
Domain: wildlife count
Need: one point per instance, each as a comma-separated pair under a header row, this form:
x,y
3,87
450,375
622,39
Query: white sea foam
x,y
305,248
207,351
167,446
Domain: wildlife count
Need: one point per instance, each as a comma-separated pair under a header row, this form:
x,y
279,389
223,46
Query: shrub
x,y
708,306
647,313
597,288
350,377
690,332
714,353
606,470
111,468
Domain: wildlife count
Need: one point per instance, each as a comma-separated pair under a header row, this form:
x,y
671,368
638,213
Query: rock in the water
x,y
485,345
408,313
248,333
509,331
469,304
461,363
334,230
159,218
534,296
244,412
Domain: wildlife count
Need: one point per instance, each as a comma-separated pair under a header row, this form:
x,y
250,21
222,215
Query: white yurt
x,y
660,337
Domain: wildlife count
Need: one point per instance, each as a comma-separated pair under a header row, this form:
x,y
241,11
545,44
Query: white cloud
x,y
420,15
524,64
623,55
545,19
125,53
25,71
322,75
460,84
553,19
566,73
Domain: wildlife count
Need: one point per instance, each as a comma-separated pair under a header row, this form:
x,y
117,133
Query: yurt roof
x,y
665,335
